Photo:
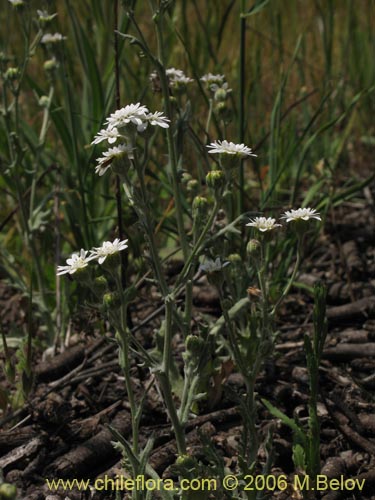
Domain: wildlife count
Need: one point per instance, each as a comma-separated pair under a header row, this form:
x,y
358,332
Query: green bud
x,y
253,247
220,95
100,285
200,207
44,101
50,65
224,112
111,301
186,462
194,345
8,491
192,187
235,258
215,180
11,74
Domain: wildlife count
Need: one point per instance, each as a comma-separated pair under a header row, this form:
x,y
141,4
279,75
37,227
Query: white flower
x,y
263,223
108,248
132,113
174,73
210,79
16,3
301,213
107,134
176,77
52,38
225,147
156,118
44,17
75,262
108,156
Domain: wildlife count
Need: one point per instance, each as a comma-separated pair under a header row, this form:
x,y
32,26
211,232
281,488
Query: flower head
x,y
263,224
301,214
74,263
213,79
108,248
44,17
52,38
230,148
121,151
16,3
132,113
107,134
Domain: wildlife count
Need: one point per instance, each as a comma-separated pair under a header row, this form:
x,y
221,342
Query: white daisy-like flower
x,y
132,113
225,147
108,156
301,214
174,73
176,77
213,79
75,262
263,224
16,3
156,118
52,38
108,248
107,134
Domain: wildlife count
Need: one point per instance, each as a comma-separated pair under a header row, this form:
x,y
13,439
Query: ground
x,y
62,430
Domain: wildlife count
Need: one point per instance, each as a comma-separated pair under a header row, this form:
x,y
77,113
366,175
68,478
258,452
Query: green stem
x,y
292,278
185,270
171,145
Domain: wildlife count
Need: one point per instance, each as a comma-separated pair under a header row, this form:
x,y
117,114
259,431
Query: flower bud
x,y
253,248
224,112
50,65
200,207
100,285
44,101
8,491
215,180
186,462
11,74
192,187
111,301
220,95
194,345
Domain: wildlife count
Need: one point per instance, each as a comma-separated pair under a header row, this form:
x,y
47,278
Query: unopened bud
x,y
224,112
44,101
192,186
253,247
186,462
220,95
194,345
200,207
50,65
11,74
111,301
8,491
215,180
100,285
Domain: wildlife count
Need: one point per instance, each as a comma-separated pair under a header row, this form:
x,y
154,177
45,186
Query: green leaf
x,y
257,7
